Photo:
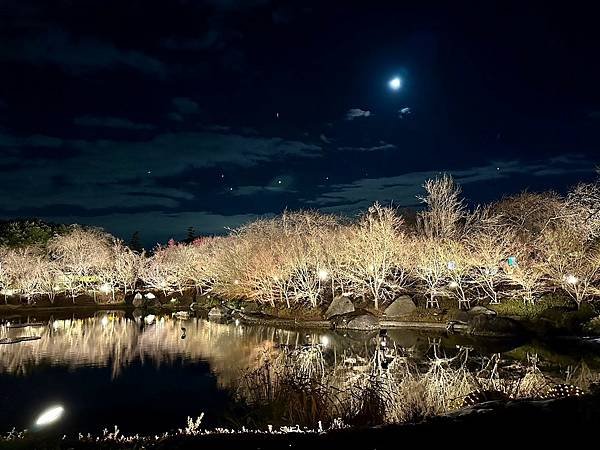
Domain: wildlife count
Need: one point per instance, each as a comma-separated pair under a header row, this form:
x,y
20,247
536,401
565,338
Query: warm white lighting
x,y
323,274
52,414
453,285
106,288
149,318
571,279
173,300
150,296
395,83
325,341
236,281
104,321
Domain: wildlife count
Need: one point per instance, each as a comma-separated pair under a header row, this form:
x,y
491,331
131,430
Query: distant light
x,y
395,83
150,296
173,300
453,285
571,279
451,265
325,341
105,288
323,274
104,321
149,319
49,416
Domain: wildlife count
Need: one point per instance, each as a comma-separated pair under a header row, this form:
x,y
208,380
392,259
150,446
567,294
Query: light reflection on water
x,y
115,367
109,339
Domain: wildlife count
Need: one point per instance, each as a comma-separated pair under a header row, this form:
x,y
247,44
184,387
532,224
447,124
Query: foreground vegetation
x,y
520,247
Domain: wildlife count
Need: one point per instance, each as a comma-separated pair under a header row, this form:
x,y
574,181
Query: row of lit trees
x,y
521,246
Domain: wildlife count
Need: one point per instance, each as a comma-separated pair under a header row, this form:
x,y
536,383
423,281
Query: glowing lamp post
x,y
50,416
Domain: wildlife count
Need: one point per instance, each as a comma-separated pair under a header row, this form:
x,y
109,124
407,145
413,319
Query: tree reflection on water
x,y
300,376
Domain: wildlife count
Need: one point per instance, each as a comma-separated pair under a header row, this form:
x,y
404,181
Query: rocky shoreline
x,y
342,313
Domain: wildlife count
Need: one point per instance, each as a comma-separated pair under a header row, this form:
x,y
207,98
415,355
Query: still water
x,y
148,373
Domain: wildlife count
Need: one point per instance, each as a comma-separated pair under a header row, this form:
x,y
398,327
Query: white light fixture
x,y
323,274
395,83
571,279
50,415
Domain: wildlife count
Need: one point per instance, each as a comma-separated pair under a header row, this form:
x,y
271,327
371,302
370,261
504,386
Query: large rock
x,y
365,322
357,320
402,306
340,305
458,315
138,301
478,310
494,326
218,312
251,308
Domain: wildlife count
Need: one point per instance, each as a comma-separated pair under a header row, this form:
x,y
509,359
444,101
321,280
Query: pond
x,y
147,373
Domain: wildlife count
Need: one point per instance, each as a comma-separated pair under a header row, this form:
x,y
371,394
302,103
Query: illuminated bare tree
x,y
526,274
126,267
570,261
489,252
458,270
375,254
584,201
431,268
22,267
445,209
83,256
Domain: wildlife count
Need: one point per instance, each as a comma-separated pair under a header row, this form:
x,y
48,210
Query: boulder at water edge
x,y
494,326
365,322
478,310
138,301
402,306
218,312
340,305
358,320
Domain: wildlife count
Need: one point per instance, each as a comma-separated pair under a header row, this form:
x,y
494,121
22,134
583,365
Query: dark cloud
x,y
185,105
403,189
111,122
105,173
380,146
76,54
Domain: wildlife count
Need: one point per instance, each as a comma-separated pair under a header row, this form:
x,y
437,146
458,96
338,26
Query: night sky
x,y
156,116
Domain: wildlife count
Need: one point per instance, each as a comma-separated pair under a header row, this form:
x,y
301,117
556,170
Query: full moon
x,y
395,83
